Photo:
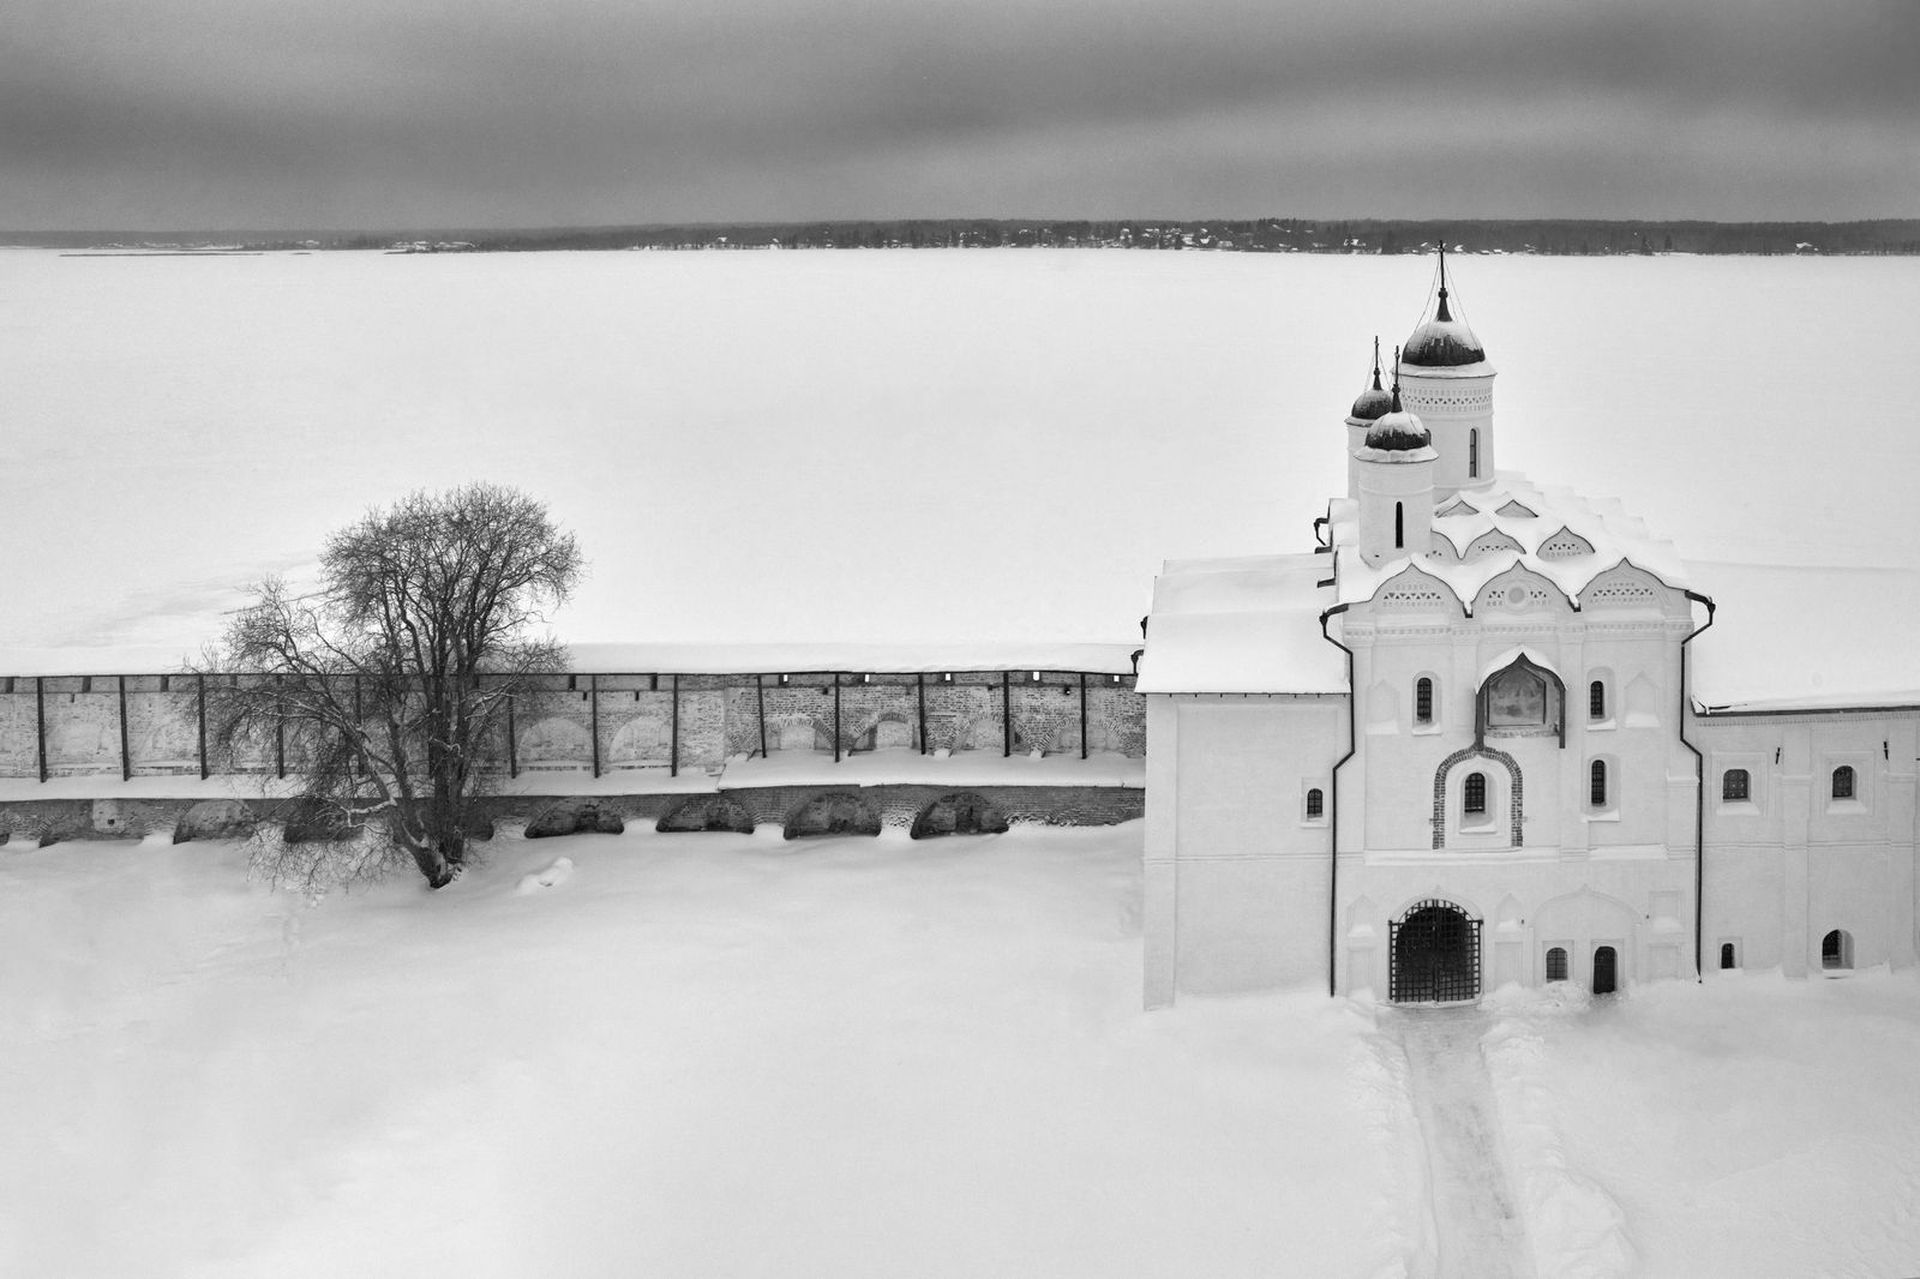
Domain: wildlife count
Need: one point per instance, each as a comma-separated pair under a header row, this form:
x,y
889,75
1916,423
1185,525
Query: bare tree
x,y
392,676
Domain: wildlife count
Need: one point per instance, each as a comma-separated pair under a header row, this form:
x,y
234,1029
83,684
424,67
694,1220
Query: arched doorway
x,y
1605,981
1436,954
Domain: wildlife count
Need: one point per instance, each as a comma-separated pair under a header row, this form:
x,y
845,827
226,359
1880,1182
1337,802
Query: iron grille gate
x,y
1435,954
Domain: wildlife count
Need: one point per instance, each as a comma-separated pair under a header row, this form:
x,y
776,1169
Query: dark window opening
x,y
1726,955
1597,784
1597,700
1557,964
1476,792
1605,976
1314,803
1473,455
1836,950
1423,700
1733,785
1843,782
1399,526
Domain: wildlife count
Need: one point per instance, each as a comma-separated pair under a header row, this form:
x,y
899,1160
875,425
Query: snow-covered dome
x,y
1398,432
1373,402
1443,342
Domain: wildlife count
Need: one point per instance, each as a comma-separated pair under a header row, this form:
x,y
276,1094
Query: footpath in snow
x,y
1478,1228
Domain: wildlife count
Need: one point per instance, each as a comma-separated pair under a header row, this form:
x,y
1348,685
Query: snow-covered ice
x,y
891,448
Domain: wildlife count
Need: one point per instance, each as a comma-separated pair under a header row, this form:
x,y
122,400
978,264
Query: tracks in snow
x,y
1477,1219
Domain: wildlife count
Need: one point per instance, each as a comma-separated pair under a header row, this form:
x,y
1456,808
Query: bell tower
x,y
1446,379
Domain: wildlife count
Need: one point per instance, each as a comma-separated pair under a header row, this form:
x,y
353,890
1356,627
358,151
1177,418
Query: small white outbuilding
x,y
1481,731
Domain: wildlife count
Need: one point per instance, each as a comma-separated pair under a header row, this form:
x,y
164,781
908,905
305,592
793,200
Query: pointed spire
x,y
1396,382
1442,313
1376,361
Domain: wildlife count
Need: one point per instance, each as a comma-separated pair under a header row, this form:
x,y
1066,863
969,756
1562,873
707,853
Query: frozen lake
x,y
893,447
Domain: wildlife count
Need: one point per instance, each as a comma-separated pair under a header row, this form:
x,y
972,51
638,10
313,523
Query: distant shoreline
x,y
1565,237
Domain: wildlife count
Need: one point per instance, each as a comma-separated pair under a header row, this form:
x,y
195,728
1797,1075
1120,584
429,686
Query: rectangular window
x,y
1597,700
1733,785
1597,787
1314,803
1423,701
1843,782
1476,792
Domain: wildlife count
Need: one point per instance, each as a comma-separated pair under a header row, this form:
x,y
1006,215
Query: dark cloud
x,y
337,112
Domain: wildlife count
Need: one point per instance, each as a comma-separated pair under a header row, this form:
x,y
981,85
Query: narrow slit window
x,y
1557,964
1734,786
1423,700
1476,793
1726,955
1473,454
1597,784
1399,525
1597,699
1843,782
1315,803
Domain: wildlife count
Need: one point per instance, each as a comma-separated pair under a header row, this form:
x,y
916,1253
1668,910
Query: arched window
x,y
1399,526
1597,700
1476,793
1473,454
1726,955
1597,784
1733,786
1315,805
1423,700
1557,964
1836,949
1843,782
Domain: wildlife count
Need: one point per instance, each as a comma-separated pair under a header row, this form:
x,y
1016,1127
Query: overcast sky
x,y
394,113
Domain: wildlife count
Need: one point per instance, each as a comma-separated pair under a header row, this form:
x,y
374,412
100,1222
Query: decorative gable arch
x,y
1517,510
1624,586
1519,589
1412,590
1564,544
1492,542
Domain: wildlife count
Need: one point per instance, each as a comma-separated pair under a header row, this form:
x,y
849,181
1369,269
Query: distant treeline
x,y
1559,236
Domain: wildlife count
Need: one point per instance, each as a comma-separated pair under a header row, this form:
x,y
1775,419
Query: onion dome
x,y
1373,402
1443,342
1398,432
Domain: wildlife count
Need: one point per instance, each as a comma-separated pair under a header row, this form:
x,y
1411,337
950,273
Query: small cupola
x,y
1393,481
1373,402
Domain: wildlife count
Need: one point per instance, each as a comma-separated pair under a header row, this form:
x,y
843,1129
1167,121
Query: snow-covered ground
x,y
718,1055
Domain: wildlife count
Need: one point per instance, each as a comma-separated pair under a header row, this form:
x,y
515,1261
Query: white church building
x,y
1484,732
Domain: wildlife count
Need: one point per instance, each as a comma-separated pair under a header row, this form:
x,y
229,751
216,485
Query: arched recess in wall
x,y
797,732
887,731
644,739
553,740
1443,785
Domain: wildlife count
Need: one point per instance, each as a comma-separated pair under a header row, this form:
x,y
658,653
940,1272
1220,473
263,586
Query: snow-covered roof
x,y
1242,626
1807,638
1565,538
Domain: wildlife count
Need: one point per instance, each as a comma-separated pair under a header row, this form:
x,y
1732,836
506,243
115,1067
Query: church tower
x,y
1445,378
1372,405
1393,469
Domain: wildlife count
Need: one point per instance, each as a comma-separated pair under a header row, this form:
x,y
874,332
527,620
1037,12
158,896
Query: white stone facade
x,y
1508,774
